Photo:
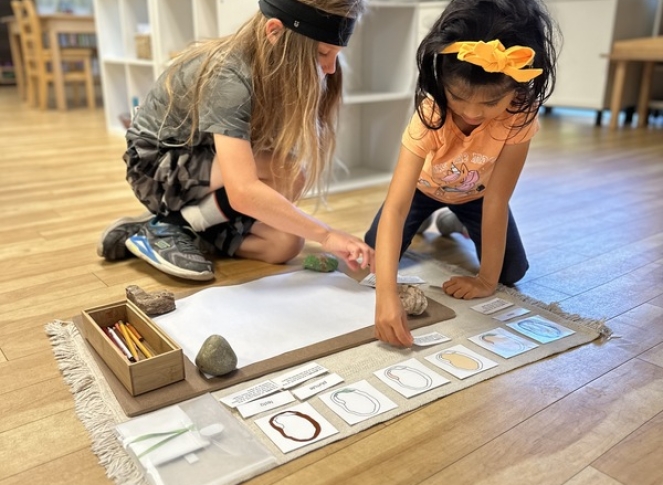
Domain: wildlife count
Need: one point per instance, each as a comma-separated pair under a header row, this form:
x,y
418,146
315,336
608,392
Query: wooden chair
x,y
37,59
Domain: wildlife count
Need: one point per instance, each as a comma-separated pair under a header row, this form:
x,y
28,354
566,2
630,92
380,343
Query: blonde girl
x,y
229,138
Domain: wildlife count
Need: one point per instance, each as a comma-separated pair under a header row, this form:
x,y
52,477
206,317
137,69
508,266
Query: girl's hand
x,y
391,322
468,287
355,252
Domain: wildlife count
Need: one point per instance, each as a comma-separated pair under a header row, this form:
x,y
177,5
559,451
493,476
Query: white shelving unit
x,y
589,27
379,68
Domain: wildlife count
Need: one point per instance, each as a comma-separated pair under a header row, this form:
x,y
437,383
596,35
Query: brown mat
x,y
196,384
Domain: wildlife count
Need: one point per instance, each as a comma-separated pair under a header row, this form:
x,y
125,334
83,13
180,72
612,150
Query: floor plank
x,y
591,476
540,451
637,459
590,213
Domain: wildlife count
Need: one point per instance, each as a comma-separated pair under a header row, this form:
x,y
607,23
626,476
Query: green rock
x,y
323,263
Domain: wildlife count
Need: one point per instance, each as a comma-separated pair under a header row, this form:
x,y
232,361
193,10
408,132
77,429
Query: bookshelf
x,y
379,68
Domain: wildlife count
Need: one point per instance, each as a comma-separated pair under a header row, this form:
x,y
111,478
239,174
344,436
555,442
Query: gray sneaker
x,y
171,249
111,245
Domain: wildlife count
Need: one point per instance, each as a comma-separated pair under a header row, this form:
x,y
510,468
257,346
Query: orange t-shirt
x,y
457,167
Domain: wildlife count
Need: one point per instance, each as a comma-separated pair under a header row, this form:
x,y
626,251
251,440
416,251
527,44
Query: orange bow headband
x,y
494,57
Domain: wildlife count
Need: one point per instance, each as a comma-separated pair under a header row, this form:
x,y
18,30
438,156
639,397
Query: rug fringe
x,y
90,406
604,332
554,308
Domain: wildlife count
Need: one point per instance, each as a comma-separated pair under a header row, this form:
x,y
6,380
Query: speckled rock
x,y
154,303
323,263
216,356
413,299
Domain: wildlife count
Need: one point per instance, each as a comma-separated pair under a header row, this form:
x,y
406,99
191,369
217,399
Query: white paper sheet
x,y
276,314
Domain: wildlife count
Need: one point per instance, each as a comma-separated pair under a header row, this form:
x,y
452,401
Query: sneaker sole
x,y
144,217
164,266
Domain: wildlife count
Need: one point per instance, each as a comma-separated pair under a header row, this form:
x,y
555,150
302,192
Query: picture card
x,y
461,362
428,339
317,386
296,427
503,343
265,404
410,378
492,306
357,402
513,313
541,329
299,375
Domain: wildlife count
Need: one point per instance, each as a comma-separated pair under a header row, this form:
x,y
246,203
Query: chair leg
x,y
77,94
31,91
43,94
89,84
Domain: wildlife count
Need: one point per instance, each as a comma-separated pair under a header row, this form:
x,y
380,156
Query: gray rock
x,y
216,356
155,303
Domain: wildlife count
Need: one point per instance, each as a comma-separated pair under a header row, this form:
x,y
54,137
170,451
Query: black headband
x,y
310,21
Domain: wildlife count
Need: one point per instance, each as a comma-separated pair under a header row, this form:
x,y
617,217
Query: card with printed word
x,y
492,306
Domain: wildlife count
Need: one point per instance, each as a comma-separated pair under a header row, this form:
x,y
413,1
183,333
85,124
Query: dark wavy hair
x,y
512,22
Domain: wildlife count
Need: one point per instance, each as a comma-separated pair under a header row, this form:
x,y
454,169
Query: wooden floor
x,y
590,211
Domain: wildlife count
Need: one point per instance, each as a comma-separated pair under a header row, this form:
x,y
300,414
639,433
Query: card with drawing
x,y
540,329
503,343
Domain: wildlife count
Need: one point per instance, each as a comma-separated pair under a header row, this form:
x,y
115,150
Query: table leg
x,y
645,92
617,92
58,76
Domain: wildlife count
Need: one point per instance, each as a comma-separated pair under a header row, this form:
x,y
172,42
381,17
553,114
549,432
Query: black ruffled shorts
x,y
167,178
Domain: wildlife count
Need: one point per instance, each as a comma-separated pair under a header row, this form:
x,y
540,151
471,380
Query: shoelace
x,y
185,243
183,237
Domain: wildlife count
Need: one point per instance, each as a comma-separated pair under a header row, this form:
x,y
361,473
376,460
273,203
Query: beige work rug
x,y
99,410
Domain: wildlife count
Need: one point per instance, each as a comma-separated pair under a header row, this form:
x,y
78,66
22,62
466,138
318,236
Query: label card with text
x,y
369,280
261,389
513,313
317,386
299,375
492,306
428,339
265,404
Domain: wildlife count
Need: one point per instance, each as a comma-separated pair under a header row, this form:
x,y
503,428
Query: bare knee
x,y
270,245
282,248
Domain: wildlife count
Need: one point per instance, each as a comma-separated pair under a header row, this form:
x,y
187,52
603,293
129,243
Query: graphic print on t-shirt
x,y
460,176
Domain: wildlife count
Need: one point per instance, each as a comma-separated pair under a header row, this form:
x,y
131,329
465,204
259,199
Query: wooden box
x,y
143,46
164,367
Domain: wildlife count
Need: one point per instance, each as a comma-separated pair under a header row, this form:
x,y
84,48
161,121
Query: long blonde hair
x,y
294,112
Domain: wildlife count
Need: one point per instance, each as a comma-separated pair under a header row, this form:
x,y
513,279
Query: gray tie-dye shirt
x,y
224,108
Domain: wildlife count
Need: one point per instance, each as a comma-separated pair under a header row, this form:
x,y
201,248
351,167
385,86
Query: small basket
x,y
143,46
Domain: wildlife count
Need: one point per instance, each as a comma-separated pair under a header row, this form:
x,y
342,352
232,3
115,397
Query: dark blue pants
x,y
470,214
